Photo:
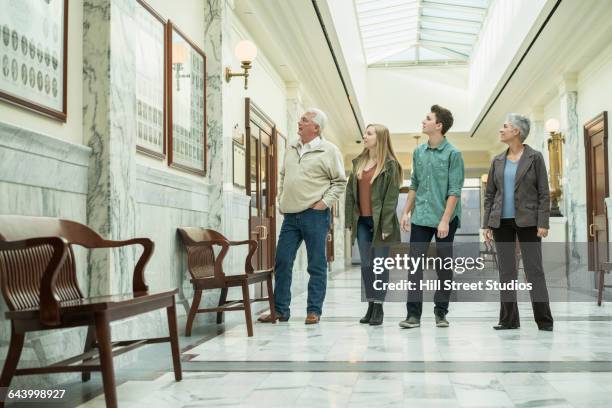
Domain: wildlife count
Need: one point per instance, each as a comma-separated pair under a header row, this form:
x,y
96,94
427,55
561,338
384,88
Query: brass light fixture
x,y
246,52
555,156
179,58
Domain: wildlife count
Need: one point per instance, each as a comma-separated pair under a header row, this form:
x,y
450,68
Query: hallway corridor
x,y
341,363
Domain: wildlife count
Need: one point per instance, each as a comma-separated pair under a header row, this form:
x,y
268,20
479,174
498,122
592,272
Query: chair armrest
x,y
138,280
246,241
248,265
49,301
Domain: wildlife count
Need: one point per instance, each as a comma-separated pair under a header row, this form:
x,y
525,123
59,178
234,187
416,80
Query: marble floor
x,y
341,363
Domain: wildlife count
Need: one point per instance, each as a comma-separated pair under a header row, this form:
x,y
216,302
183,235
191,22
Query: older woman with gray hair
x,y
517,208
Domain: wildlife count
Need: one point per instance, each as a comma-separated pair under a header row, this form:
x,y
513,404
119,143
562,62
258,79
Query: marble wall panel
x,y
43,176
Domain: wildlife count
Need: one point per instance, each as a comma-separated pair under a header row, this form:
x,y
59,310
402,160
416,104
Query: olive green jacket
x,y
385,192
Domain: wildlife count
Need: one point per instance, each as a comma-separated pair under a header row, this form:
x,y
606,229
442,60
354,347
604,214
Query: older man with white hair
x,y
311,180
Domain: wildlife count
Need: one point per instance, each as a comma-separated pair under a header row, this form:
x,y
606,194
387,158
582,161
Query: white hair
x,y
520,122
319,117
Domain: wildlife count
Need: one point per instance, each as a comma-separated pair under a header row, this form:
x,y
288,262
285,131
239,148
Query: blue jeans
x,y
367,252
310,226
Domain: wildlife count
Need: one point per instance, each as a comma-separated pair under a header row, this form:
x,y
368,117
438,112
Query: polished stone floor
x,y
341,363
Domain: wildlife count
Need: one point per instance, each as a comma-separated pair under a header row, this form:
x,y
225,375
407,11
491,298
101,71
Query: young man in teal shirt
x,y
434,200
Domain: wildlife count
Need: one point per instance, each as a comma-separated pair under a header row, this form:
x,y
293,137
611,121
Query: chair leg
x,y
271,298
90,341
174,343
103,334
10,364
195,304
600,287
222,300
246,300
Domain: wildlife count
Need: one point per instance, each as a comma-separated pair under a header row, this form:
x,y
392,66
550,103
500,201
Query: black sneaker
x,y
441,320
410,323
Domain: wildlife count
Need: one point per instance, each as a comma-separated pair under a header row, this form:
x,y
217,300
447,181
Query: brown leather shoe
x,y
268,318
312,318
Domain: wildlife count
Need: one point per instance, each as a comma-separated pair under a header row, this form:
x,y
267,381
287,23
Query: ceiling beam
x,y
466,36
376,27
387,44
445,51
447,44
395,15
392,9
456,22
456,8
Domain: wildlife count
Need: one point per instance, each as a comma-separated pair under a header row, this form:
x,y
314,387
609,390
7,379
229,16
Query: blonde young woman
x,y
371,201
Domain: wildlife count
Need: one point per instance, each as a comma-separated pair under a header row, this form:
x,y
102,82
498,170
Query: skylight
x,y
398,32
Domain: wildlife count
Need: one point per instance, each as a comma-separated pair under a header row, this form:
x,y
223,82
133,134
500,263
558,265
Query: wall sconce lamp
x,y
179,58
555,156
246,52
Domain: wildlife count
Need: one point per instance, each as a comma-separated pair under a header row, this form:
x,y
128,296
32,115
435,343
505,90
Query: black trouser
x,y
420,238
531,253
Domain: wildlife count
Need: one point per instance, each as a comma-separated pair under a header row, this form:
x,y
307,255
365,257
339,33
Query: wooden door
x,y
596,144
261,183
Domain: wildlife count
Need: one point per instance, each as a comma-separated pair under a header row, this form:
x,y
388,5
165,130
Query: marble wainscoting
x,y
44,176
165,202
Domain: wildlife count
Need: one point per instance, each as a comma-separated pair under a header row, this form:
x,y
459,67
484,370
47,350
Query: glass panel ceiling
x,y
419,31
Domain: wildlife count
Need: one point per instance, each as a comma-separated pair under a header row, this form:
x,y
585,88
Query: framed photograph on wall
x,y
239,163
186,73
33,55
150,50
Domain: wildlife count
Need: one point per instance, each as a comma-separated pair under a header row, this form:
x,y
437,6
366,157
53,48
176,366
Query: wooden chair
x,y
39,284
207,273
604,267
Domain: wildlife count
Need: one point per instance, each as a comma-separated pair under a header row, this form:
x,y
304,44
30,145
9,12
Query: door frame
x,y
256,114
590,128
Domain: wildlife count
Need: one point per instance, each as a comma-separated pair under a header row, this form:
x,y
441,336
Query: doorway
x,y
261,183
596,145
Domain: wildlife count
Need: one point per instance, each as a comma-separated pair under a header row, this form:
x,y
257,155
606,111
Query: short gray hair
x,y
319,117
520,122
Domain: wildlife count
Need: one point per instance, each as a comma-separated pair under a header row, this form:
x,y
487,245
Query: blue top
x,y
509,177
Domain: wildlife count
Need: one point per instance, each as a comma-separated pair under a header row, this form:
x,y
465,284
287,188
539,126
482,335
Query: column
x,y
108,124
574,200
217,29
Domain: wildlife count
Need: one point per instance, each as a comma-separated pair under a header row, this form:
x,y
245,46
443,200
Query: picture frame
x,y
34,56
151,81
186,93
239,164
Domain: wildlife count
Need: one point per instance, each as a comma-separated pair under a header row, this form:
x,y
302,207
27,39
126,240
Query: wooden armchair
x,y
39,284
207,273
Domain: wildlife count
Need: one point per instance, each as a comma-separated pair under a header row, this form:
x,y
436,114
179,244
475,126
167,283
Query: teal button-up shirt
x,y
437,173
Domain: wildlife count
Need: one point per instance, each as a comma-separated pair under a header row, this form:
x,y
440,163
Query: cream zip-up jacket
x,y
317,175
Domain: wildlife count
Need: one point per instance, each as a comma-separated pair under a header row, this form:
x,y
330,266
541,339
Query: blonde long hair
x,y
384,151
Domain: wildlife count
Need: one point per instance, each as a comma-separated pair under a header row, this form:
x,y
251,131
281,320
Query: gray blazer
x,y
531,195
